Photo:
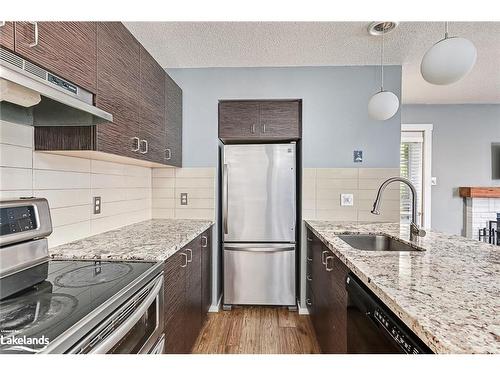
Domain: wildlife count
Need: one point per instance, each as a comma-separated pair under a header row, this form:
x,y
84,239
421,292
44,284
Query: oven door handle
x,y
125,327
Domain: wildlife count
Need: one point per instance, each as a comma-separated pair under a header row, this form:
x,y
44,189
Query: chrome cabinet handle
x,y
204,241
308,302
309,239
190,259
323,257
225,198
136,141
146,149
168,154
185,260
263,128
309,278
309,259
253,129
326,263
35,41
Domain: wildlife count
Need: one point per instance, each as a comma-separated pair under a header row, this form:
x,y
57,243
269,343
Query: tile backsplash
x,y
198,183
322,188
69,184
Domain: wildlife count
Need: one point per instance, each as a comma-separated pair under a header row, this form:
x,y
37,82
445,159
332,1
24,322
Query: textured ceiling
x,y
257,44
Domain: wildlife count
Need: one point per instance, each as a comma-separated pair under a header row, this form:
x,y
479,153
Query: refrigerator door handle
x,y
225,198
272,248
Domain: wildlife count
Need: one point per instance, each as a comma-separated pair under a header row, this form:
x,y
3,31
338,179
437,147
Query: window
x,y
415,164
411,167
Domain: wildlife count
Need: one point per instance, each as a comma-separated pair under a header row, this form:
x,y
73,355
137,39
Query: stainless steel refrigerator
x,y
259,224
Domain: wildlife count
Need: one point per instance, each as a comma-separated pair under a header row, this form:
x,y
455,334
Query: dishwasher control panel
x,y
393,330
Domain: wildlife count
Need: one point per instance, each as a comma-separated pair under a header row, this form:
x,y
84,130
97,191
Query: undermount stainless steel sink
x,y
376,242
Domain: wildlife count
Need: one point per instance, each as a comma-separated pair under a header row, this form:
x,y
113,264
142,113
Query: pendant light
x,y
384,104
449,60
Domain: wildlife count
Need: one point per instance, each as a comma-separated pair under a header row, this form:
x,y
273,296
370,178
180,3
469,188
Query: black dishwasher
x,y
372,328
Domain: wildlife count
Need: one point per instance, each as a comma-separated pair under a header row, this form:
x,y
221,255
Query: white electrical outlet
x,y
347,199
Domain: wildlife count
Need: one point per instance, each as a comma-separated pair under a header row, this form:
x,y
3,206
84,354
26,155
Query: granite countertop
x,y
449,294
151,240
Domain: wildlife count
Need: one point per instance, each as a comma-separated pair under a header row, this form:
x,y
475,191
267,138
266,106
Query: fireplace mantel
x,y
479,192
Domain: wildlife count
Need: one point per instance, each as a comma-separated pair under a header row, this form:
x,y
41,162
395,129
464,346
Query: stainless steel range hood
x,y
29,91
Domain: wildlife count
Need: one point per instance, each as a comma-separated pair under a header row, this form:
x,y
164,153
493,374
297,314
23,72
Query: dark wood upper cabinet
x,y
280,119
259,120
7,34
152,108
145,103
173,119
238,120
118,89
67,49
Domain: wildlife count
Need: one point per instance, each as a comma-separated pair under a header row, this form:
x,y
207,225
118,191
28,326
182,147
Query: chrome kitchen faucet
x,y
415,230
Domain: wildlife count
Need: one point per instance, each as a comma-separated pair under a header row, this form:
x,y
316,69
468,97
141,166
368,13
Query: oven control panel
x,y
393,330
17,219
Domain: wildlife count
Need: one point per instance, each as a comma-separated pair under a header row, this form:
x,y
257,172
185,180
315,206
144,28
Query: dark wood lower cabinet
x,y
327,296
206,272
185,284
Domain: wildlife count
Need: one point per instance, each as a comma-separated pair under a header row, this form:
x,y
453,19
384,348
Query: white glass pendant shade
x,y
383,105
448,61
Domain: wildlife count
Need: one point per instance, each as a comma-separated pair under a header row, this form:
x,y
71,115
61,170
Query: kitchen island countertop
x,y
449,294
151,240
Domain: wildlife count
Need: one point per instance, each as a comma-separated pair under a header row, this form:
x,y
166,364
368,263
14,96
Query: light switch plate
x,y
357,156
347,199
184,199
97,205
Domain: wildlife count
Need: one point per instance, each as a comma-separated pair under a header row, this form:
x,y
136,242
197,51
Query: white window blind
x,y
411,167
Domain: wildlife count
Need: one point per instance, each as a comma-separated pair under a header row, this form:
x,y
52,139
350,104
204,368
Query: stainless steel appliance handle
x,y
225,198
204,241
190,259
266,249
35,33
123,329
323,256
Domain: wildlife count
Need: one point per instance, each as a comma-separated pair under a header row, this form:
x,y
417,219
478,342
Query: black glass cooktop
x,y
32,319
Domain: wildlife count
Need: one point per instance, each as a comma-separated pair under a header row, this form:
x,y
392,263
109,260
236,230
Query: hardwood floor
x,y
257,330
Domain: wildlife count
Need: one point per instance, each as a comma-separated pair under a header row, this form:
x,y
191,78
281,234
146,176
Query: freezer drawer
x,y
259,274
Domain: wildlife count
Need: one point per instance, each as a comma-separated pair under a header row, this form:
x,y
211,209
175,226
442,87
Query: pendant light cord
x,y
382,64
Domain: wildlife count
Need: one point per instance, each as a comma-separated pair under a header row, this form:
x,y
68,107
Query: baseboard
x,y
302,310
216,308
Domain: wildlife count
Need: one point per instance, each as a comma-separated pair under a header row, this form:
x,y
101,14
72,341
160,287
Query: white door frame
x,y
427,168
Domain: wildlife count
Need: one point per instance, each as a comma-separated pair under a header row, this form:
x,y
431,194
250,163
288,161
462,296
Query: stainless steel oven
x,y
135,327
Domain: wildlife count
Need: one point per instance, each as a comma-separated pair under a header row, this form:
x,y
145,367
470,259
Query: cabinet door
x,y
173,118
68,49
7,35
238,120
118,88
176,303
206,272
319,297
279,120
152,108
193,316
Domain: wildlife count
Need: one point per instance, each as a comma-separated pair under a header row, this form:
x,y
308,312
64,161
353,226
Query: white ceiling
x,y
256,44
